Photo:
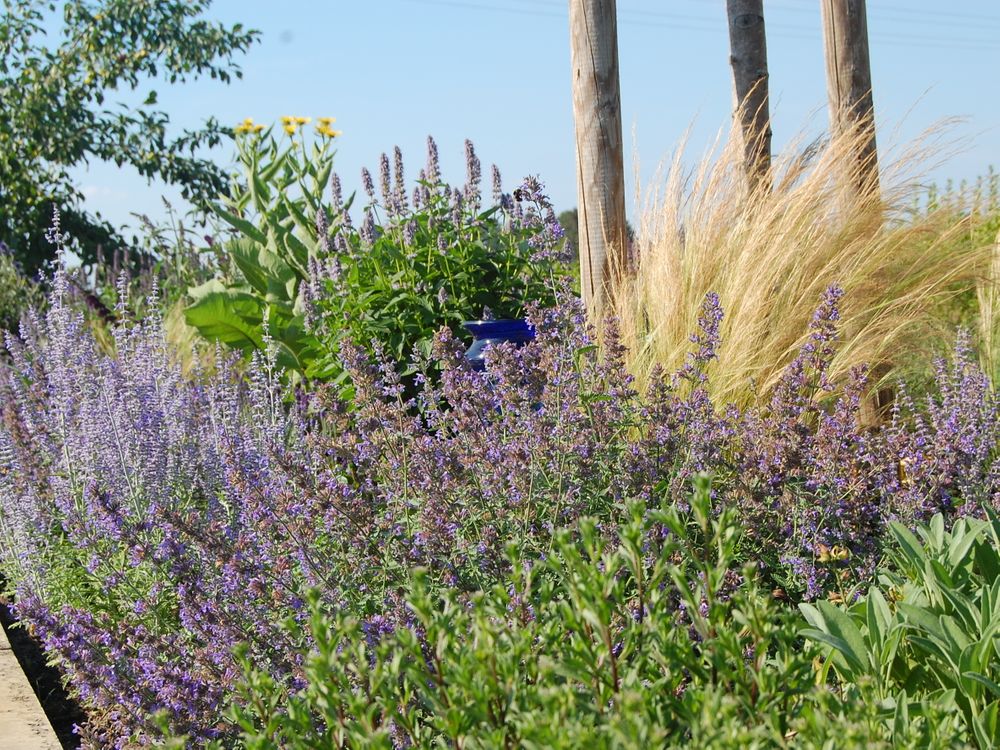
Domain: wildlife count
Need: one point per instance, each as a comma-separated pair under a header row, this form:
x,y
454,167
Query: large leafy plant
x,y
413,267
272,212
303,275
929,633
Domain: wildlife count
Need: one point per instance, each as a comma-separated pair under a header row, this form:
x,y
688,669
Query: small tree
x,y
53,114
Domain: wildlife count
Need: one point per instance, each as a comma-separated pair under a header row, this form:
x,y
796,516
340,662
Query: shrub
x,y
301,268
927,632
654,639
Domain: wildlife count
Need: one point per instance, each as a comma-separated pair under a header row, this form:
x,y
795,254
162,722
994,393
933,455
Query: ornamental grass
x,y
770,251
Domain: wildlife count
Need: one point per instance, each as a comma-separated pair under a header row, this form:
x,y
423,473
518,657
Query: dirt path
x,y
27,684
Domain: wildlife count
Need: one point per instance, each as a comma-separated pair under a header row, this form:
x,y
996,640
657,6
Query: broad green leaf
x,y
308,228
843,655
954,634
229,316
909,545
986,727
322,178
921,618
960,545
877,628
840,624
965,610
983,680
935,531
901,719
932,647
263,270
240,224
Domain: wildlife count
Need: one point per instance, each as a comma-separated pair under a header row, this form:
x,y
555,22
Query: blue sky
x,y
497,71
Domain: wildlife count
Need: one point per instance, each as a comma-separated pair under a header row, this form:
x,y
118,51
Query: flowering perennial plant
x,y
152,521
297,264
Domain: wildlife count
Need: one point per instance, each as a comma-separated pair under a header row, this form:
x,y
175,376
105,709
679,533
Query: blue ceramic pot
x,y
486,332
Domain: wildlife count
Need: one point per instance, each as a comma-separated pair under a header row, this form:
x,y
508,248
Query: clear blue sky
x,y
497,71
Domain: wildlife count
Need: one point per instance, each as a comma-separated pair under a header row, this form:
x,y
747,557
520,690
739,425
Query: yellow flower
x,y
287,120
832,554
326,121
326,130
290,128
247,126
302,120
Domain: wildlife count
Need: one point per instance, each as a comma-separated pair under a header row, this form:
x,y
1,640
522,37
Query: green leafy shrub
x,y
55,116
652,639
17,292
304,275
927,635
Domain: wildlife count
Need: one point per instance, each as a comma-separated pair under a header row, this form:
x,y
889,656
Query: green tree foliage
x,y
54,112
17,293
570,222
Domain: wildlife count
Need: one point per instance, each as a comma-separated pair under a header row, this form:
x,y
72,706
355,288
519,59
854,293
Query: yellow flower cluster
x,y
324,129
247,126
292,124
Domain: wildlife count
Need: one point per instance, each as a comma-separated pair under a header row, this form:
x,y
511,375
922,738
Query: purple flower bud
x,y
385,183
336,194
497,186
368,229
433,165
473,175
368,183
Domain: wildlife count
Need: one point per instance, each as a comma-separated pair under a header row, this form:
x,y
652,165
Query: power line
x,y
878,8
686,22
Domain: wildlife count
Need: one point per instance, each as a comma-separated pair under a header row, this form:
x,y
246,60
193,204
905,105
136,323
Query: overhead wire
x,y
699,23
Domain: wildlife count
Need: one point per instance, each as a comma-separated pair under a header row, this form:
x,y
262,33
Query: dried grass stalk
x,y
770,254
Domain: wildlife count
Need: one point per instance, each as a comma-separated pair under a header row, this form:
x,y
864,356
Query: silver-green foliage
x,y
927,634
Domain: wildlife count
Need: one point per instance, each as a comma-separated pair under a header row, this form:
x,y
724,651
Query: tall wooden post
x,y
748,56
600,167
849,81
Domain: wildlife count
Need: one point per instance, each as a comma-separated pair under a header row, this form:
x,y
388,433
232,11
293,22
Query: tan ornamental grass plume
x,y
770,254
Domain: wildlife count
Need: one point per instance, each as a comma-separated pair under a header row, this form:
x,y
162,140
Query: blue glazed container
x,y
486,332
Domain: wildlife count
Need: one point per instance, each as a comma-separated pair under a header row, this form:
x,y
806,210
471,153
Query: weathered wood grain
x,y
599,152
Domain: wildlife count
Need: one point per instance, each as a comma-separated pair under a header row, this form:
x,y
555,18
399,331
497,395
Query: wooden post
x,y
849,81
748,56
600,167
